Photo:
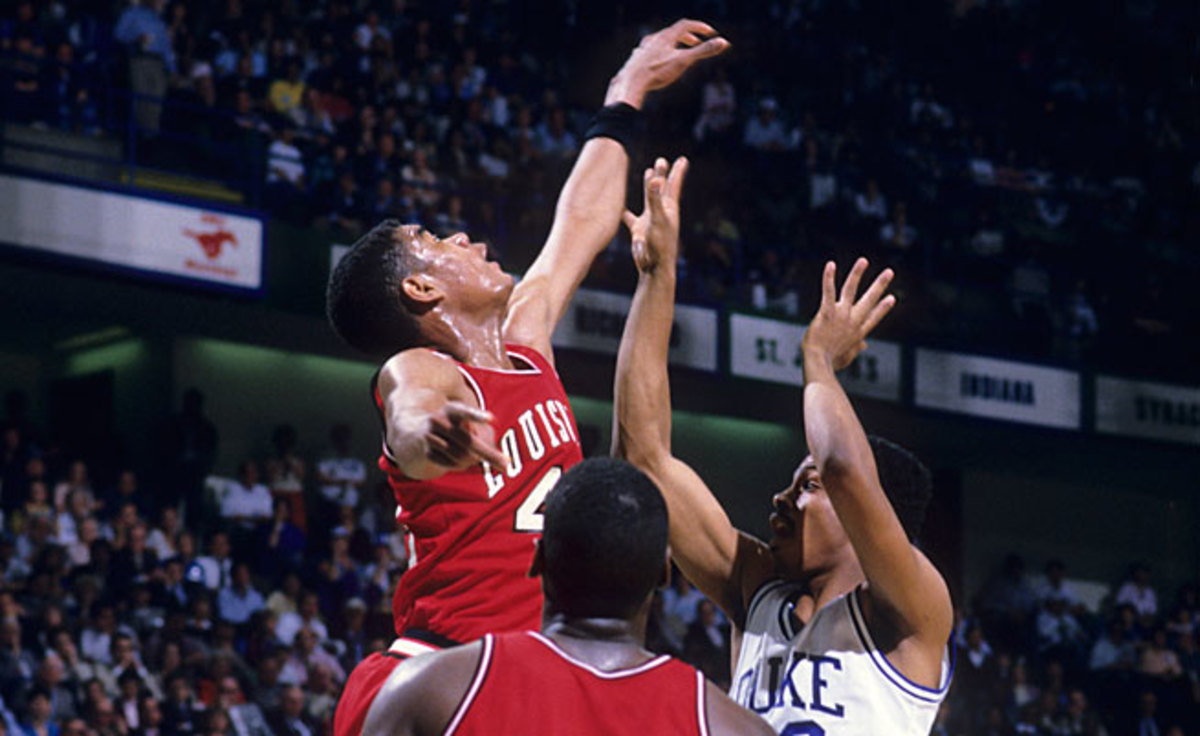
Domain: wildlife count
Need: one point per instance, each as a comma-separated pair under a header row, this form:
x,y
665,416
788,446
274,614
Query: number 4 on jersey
x,y
529,513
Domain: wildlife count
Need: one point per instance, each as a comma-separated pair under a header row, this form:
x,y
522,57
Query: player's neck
x,y
605,643
839,579
475,341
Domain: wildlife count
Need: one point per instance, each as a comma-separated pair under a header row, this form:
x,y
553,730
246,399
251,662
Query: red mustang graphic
x,y
212,242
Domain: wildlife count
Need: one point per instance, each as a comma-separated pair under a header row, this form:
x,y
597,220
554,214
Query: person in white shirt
x,y
869,204
341,476
214,570
764,131
307,616
246,500
162,538
1137,592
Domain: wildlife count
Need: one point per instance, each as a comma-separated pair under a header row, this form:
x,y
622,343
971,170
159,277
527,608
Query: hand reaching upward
x,y
663,57
839,331
655,232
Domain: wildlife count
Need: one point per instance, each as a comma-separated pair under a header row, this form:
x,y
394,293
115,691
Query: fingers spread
x,y
850,288
630,221
878,286
828,285
676,176
878,313
484,451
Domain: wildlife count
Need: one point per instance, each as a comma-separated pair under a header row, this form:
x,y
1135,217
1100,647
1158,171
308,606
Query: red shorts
x,y
365,681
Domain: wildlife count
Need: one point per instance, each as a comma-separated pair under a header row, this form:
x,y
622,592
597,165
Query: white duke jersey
x,y
826,677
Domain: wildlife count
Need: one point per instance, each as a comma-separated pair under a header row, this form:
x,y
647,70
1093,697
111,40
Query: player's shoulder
x,y
416,366
426,689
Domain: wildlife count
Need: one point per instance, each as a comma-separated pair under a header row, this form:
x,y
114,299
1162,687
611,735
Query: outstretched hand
x,y
655,232
663,57
839,331
460,436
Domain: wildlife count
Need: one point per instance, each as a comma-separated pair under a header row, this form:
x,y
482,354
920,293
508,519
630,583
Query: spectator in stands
x,y
290,720
340,474
135,562
897,234
247,503
237,602
245,719
306,616
718,106
181,712
283,541
214,570
126,491
162,538
1137,592
1055,586
764,131
870,205
1158,660
50,679
151,58
285,474
77,480
286,94
285,171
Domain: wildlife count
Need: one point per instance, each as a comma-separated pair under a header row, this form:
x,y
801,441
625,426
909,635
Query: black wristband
x,y
623,123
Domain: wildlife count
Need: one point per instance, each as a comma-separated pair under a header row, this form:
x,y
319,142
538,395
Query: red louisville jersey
x,y
526,684
473,531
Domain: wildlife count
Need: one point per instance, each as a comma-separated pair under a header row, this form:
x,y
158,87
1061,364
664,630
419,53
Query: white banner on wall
x,y
1144,409
594,321
997,389
133,232
769,350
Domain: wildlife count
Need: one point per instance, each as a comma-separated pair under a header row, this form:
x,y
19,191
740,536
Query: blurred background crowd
x,y
1035,175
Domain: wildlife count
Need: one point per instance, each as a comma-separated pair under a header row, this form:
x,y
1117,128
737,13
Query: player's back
x,y
526,684
473,531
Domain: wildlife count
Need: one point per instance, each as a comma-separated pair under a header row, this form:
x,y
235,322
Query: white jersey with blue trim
x,y
826,677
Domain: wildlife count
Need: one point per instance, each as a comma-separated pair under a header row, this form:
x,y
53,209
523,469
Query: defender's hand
x,y
459,436
838,333
655,232
663,57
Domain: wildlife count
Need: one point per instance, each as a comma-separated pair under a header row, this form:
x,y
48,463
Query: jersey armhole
x,y
702,703
481,671
914,690
766,587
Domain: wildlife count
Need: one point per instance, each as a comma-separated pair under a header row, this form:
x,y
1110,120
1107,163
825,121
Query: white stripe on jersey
x,y
826,676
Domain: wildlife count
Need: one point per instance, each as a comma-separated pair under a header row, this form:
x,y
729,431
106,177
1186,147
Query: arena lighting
x,y
91,339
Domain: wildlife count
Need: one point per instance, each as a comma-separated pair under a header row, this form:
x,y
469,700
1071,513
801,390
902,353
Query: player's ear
x,y
421,290
539,561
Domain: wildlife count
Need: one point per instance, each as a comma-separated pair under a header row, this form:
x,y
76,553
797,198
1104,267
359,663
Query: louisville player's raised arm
x,y
590,205
433,421
902,584
703,542
422,694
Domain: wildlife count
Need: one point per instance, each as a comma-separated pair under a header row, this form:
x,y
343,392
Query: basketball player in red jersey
x,y
476,423
603,552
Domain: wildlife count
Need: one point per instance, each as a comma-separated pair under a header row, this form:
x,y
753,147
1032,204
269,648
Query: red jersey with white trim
x,y
526,684
473,531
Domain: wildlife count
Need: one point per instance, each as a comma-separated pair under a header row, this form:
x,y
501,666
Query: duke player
x,y
840,623
586,672
476,423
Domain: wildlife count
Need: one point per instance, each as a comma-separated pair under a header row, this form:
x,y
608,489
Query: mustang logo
x,y
212,242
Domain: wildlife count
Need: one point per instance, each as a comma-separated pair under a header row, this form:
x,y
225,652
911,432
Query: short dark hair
x,y
906,481
605,540
363,299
